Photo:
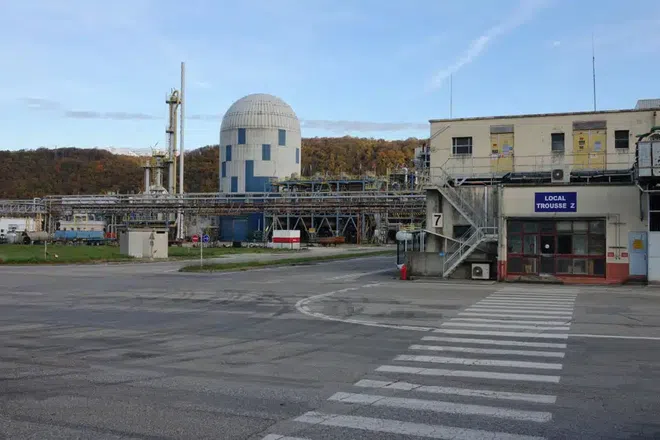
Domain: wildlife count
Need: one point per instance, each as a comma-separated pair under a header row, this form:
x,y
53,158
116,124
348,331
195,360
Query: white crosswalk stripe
x,y
488,394
554,354
511,338
443,407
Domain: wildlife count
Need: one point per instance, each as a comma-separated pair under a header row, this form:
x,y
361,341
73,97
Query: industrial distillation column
x,y
179,223
173,102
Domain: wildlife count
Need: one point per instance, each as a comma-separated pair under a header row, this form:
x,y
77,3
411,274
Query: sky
x,y
93,73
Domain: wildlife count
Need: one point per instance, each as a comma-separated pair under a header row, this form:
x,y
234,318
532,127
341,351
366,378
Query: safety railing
x,y
494,166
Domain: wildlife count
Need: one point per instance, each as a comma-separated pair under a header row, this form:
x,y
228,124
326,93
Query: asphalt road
x,y
339,350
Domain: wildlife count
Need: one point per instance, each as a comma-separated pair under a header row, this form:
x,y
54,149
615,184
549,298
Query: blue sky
x,y
372,68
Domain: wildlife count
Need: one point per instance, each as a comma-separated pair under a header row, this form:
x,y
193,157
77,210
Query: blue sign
x,y
555,202
205,238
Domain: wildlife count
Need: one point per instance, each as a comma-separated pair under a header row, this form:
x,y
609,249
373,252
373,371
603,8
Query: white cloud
x,y
338,127
526,10
556,43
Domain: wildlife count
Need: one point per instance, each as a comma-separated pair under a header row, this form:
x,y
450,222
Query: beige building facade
x,y
544,195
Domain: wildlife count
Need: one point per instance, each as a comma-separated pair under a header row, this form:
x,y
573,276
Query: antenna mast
x,y
593,66
451,95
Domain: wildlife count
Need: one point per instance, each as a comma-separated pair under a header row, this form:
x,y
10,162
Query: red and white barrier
x,y
285,239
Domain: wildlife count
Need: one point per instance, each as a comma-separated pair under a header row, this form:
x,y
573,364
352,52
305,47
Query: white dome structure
x,y
259,141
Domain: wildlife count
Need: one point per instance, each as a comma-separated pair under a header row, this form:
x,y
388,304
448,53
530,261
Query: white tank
x,y
259,141
404,236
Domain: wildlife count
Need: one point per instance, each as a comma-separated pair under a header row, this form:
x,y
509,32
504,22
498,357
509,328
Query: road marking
x,y
468,373
513,315
303,307
514,302
406,428
533,298
442,407
478,362
555,354
282,437
509,321
532,291
503,326
21,327
502,342
359,275
641,338
502,308
452,331
552,305
487,394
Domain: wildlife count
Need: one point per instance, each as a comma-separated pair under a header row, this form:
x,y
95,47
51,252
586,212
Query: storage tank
x,y
259,141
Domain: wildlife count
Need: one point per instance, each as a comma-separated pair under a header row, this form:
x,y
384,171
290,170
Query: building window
x,y
297,155
228,153
265,152
621,139
234,184
558,145
224,169
564,247
241,136
461,146
281,137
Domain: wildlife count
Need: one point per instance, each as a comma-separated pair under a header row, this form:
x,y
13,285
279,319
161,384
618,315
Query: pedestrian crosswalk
x,y
490,372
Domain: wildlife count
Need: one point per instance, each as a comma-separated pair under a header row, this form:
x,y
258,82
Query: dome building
x,y
259,142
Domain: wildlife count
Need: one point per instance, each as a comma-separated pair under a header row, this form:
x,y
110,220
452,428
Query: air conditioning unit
x,y
480,271
558,175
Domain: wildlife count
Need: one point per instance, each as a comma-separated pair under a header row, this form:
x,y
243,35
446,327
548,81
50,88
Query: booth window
x,y
563,247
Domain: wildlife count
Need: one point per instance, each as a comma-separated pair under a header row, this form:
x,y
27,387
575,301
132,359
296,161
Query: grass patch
x,y
64,254
181,252
57,253
246,265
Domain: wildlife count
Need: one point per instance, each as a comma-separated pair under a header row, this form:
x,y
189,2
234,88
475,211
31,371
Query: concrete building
x,y
259,141
538,196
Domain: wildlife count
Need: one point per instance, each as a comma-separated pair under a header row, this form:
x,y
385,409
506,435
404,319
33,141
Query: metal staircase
x,y
482,228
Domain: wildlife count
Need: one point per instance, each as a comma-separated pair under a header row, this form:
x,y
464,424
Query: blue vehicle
x,y
87,237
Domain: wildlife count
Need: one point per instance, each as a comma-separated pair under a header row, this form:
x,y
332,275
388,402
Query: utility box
x,y
144,242
284,239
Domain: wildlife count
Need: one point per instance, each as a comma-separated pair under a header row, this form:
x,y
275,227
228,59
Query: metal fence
x,y
467,166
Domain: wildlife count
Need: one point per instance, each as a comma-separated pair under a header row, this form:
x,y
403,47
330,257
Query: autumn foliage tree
x,y
36,173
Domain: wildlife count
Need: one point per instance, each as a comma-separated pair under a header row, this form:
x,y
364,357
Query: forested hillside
x,y
35,173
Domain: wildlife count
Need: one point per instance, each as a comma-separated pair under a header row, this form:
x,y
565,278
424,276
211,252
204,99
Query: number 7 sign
x,y
437,220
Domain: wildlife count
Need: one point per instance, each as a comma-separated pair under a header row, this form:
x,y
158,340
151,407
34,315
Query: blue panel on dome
x,y
265,152
253,183
224,169
234,184
281,137
241,136
228,153
297,155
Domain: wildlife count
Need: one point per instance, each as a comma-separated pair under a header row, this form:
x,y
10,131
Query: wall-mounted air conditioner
x,y
480,271
558,175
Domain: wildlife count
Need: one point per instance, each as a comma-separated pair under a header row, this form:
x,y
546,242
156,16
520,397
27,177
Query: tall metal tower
x,y
173,102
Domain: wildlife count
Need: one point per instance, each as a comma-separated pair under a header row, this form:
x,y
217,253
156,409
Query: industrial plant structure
x,y
260,188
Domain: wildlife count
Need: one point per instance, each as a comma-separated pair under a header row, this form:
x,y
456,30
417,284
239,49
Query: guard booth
x,y
408,241
144,242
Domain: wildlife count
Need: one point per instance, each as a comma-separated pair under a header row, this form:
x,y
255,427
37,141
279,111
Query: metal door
x,y
637,244
501,152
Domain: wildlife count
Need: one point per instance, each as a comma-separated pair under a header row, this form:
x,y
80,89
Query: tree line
x,y
40,172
